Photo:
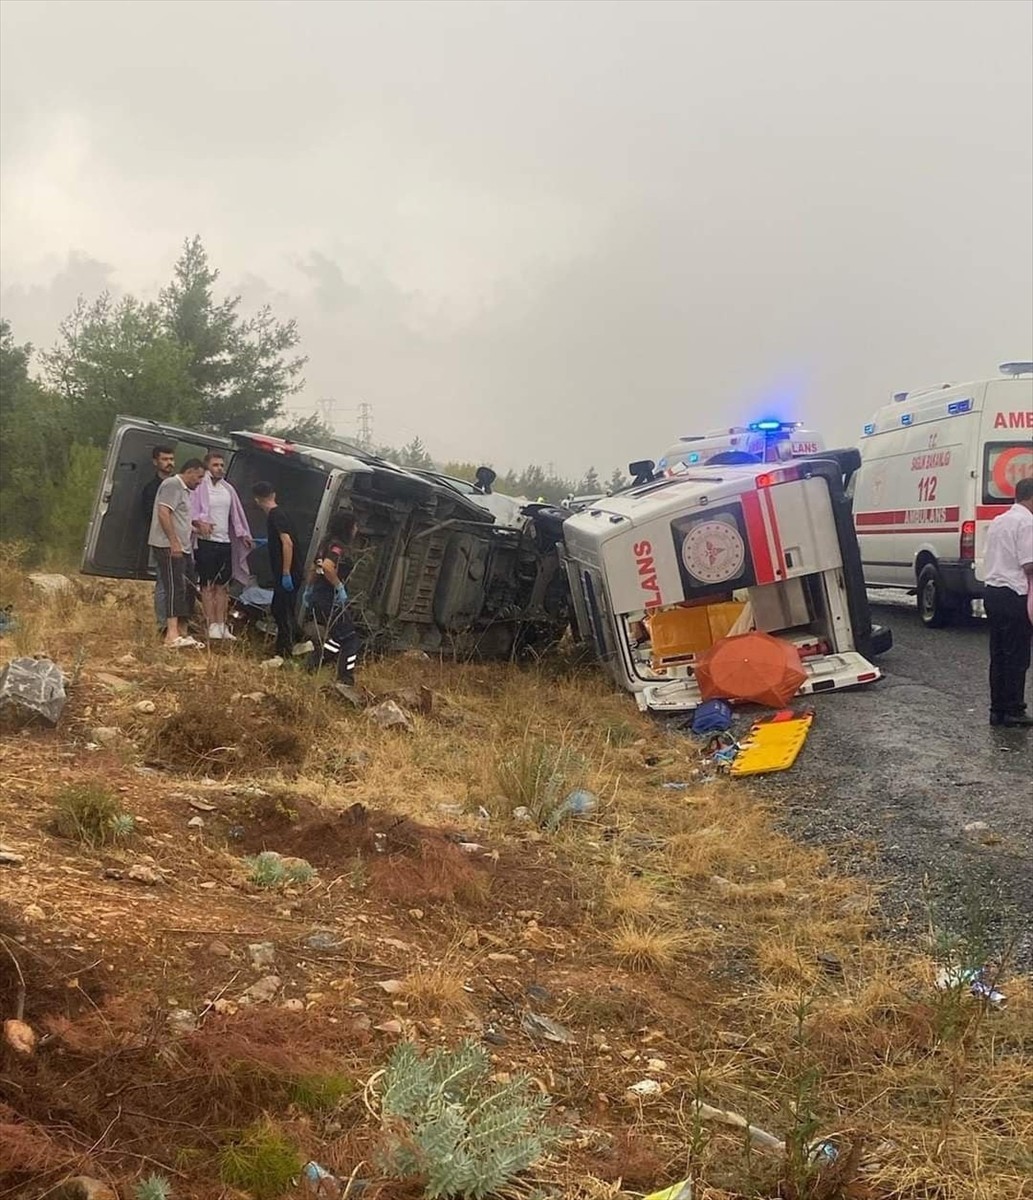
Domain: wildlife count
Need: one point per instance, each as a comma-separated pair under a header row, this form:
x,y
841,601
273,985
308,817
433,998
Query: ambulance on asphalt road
x,y
937,467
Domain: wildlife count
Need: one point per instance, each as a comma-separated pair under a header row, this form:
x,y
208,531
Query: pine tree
x,y
241,368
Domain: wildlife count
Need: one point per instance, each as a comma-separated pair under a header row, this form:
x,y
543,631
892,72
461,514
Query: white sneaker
x,y
215,632
226,635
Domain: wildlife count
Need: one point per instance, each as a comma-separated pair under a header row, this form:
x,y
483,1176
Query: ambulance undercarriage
x,y
658,573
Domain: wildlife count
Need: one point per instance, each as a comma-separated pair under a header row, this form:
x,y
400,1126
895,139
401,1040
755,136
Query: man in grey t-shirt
x,y
171,538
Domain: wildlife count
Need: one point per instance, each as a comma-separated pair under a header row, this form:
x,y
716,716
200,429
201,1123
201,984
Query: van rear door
x,y
116,540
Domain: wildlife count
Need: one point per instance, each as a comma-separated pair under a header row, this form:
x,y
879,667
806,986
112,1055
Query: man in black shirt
x,y
326,596
164,459
286,565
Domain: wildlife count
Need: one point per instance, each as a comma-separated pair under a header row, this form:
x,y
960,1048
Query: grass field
x,y
674,933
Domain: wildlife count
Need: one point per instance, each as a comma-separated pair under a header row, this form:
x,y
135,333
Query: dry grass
x,y
437,989
715,923
642,947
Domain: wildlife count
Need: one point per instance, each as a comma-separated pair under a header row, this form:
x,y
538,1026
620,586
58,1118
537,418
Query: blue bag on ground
x,y
712,716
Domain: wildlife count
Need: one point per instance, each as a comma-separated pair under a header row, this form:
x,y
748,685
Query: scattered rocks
x,y
389,715
33,912
181,1021
114,682
271,664
20,1037
263,991
31,689
323,940
975,828
105,735
392,986
393,1026
293,1005
145,706
536,1026
644,1089
50,585
127,660
10,858
219,949
201,805
139,873
262,954
195,823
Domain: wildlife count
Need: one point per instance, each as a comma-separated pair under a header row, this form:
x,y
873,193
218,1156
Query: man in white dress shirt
x,y
1008,577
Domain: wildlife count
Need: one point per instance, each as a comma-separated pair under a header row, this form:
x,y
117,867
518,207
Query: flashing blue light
x,y
766,426
694,457
956,407
906,419
869,429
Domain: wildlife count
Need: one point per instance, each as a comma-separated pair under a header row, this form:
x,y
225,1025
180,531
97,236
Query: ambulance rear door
x,y
1005,453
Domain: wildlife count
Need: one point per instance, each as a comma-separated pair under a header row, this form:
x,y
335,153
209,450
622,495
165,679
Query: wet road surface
x,y
891,775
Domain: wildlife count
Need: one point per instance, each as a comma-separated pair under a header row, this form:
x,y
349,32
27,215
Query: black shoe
x,y
1016,721
996,718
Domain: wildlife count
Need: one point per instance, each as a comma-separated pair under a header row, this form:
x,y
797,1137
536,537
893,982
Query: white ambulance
x,y
661,571
937,467
764,441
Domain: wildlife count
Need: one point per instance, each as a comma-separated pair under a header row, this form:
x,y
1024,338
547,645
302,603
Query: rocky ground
x,y
229,898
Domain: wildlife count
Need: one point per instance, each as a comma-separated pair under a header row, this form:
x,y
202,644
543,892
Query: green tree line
x,y
188,358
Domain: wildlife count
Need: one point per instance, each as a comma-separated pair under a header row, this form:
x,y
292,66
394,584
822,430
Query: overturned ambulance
x,y
661,571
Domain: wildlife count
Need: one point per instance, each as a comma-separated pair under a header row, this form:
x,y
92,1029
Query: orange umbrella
x,y
751,666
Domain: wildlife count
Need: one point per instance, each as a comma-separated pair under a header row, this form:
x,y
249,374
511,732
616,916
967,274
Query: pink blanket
x,y
200,510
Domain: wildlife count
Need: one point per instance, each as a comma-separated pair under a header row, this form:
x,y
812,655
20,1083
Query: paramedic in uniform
x,y
327,597
1008,567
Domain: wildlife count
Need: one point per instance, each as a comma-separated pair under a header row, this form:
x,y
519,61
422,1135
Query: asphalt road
x,y
891,775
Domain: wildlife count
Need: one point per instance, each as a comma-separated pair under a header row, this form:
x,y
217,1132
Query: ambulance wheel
x,y
934,606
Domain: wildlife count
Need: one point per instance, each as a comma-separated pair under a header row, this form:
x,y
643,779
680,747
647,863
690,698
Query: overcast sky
x,y
544,231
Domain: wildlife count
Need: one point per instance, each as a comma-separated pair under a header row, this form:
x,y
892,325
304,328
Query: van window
x,y
1004,464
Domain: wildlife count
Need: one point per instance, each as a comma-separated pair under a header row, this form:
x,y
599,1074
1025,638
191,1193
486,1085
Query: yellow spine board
x,y
771,746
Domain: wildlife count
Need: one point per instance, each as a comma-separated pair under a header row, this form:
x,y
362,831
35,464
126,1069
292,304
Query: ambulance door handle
x,y
789,559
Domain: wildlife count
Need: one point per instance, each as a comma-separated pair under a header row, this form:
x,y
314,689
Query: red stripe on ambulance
x,y
763,568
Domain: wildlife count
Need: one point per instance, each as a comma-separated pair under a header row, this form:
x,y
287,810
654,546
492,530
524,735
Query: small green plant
x,y
321,1093
447,1123
536,776
92,816
154,1187
270,870
260,1161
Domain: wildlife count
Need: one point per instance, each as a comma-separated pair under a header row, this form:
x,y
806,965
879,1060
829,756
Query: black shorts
x,y
178,577
214,562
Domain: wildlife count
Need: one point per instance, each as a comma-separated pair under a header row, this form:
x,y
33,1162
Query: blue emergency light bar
x,y
694,457
956,407
869,429
772,426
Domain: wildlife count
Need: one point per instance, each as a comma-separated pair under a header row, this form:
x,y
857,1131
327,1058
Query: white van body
x,y
937,467
782,536
765,441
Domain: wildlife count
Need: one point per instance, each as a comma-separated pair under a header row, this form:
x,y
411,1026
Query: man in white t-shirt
x,y
223,541
1008,577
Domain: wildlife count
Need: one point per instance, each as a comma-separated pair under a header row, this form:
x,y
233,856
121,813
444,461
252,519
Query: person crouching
x,y
327,597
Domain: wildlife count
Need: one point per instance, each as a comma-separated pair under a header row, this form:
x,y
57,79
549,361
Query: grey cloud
x,y
566,231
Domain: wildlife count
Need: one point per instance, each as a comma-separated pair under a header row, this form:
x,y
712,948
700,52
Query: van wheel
x,y
933,605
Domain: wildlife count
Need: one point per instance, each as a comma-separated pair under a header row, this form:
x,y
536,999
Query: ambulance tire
x,y
934,604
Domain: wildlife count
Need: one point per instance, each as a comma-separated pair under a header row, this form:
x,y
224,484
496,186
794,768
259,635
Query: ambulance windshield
x,y
1004,464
